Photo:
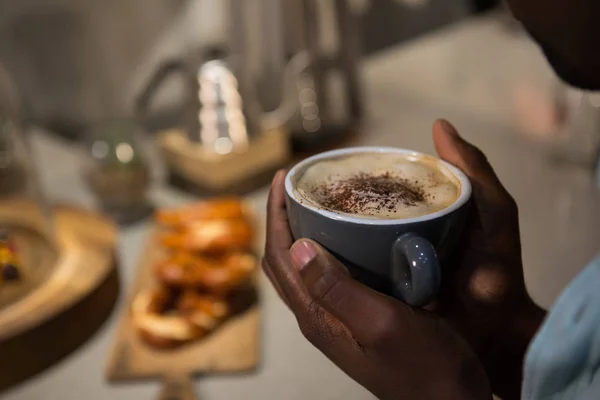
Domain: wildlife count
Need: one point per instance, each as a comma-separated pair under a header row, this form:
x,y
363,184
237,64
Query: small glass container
x,y
117,171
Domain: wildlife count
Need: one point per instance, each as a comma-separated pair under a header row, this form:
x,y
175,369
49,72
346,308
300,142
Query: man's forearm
x,y
505,354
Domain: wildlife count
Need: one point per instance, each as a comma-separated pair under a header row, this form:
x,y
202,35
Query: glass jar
x,y
117,170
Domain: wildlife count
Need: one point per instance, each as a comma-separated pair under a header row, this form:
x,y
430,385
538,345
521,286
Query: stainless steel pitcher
x,y
221,107
295,59
234,91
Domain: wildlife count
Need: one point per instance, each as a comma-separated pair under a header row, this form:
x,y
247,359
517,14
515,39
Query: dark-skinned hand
x,y
483,293
396,351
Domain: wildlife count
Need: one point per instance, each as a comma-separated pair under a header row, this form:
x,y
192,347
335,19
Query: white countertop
x,y
469,74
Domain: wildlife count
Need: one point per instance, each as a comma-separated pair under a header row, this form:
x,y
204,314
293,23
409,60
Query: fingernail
x,y
277,176
448,128
303,252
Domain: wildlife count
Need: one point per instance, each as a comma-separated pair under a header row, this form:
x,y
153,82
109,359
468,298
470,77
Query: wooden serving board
x,y
234,347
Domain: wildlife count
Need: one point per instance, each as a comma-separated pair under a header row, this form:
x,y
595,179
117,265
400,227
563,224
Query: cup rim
x,y
462,199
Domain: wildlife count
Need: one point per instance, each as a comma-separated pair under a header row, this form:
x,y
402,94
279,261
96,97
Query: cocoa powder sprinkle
x,y
369,193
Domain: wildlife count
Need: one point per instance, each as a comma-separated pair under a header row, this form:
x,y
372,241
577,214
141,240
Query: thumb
x,y
497,210
330,285
452,148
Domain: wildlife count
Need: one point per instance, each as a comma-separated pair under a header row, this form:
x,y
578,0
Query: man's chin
x,y
569,74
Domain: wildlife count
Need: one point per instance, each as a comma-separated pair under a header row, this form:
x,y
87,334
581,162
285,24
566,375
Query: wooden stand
x,y
197,169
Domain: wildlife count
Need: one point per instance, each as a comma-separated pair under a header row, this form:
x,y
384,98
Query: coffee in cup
x,y
386,213
378,185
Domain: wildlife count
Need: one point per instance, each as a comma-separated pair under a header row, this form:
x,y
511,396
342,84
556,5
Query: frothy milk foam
x,y
378,185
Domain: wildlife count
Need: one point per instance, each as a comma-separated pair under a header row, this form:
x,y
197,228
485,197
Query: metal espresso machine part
x,y
227,141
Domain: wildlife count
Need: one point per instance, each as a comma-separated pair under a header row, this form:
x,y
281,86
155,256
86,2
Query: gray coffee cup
x,y
399,257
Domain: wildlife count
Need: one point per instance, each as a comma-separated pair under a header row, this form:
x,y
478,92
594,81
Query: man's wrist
x,y
527,321
466,380
504,353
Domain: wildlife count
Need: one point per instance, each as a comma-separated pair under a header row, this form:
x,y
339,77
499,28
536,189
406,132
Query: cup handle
x,y
416,274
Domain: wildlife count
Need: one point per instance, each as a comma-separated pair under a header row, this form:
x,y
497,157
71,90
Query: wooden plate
x,y
68,266
69,288
234,347
38,258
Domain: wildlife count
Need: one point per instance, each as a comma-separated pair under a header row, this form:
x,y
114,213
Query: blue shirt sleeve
x,y
563,361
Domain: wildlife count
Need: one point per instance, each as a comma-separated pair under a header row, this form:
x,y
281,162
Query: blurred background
x,y
122,107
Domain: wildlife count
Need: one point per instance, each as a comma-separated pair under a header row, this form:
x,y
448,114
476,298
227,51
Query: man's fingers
x,y
462,154
321,328
269,273
279,241
279,236
368,315
497,210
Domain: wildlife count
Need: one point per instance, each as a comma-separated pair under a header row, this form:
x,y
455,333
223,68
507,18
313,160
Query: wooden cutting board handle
x,y
177,387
